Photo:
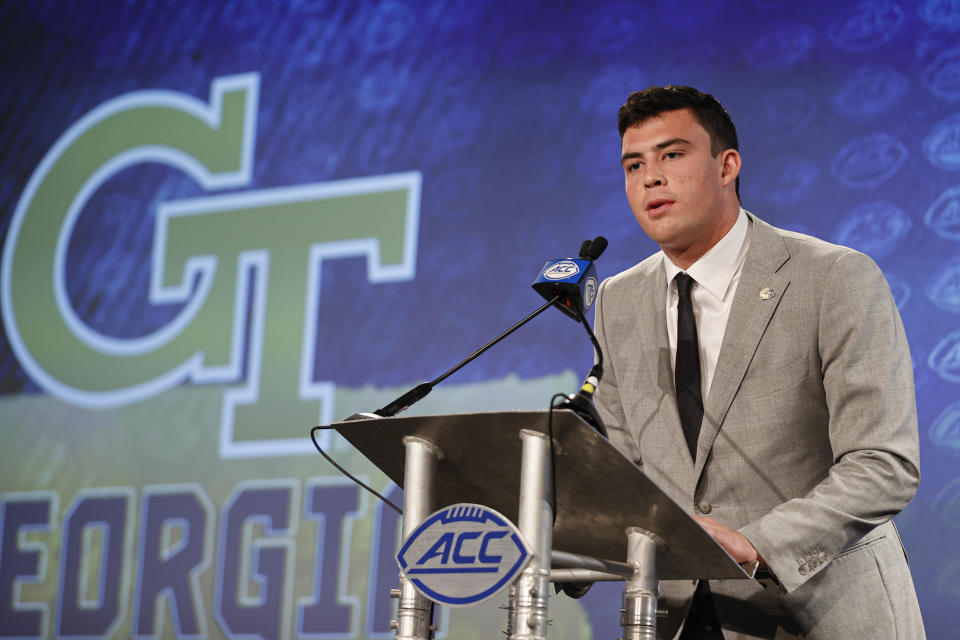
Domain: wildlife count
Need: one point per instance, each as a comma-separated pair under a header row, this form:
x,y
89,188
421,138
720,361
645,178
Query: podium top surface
x,y
599,492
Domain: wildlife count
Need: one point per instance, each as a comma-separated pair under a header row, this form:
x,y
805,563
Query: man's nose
x,y
653,178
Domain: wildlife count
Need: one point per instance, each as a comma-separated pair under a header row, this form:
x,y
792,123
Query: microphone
x,y
574,280
572,292
593,249
584,247
578,291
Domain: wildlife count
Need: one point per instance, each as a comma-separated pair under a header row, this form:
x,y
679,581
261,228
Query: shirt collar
x,y
715,269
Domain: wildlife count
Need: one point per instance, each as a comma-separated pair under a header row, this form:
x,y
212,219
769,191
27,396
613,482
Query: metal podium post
x,y
639,614
530,593
419,495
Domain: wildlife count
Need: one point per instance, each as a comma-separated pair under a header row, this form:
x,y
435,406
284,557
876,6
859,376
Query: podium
x,y
611,521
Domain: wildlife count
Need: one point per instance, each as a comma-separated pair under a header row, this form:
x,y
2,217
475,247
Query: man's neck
x,y
685,257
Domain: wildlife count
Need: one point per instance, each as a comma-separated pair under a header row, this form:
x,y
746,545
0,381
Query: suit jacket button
x,y
704,508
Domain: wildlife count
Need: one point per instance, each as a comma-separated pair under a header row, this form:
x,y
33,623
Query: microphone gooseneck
x,y
581,402
420,391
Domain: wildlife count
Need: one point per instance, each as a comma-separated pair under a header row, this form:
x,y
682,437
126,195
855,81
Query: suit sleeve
x,y
868,386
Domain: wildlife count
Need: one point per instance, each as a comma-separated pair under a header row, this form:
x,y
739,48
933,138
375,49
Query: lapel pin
x,y
766,293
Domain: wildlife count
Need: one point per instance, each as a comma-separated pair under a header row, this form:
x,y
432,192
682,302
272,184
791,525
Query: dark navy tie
x,y
687,369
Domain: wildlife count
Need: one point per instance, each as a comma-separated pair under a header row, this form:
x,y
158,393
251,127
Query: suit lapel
x,y
749,316
654,365
670,417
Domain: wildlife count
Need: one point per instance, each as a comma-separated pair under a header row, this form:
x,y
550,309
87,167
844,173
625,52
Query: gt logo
x,y
218,256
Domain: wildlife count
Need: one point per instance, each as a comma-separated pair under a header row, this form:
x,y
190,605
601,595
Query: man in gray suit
x,y
762,377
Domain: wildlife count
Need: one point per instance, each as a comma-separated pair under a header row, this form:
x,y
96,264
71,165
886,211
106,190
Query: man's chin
x,y
663,231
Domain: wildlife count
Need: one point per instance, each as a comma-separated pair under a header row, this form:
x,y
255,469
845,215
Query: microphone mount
x,y
420,391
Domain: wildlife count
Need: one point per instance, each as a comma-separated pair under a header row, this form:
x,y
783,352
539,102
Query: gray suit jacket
x,y
809,438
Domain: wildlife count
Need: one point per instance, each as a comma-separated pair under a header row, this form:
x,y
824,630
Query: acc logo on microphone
x,y
589,293
561,270
463,554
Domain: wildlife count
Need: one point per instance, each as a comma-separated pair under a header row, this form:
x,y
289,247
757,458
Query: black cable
x,y
596,344
574,590
313,437
553,453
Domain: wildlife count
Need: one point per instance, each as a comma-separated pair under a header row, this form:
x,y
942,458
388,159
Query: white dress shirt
x,y
717,274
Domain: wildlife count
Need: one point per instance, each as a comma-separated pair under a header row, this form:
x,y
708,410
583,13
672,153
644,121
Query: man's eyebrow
x,y
659,145
670,142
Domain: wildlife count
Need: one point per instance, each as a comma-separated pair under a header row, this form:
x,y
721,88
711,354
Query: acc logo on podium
x,y
463,554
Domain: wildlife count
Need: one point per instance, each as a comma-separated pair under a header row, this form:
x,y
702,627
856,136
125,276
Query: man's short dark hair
x,y
652,101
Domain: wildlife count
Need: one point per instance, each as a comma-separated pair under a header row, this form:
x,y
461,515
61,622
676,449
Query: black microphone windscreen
x,y
596,248
584,248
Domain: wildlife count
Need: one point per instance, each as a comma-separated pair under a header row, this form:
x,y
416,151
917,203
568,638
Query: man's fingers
x,y
733,542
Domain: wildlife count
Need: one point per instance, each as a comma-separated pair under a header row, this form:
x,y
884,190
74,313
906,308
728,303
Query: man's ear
x,y
730,167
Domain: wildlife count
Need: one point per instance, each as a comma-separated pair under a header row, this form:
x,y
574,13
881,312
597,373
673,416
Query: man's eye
x,y
633,166
672,154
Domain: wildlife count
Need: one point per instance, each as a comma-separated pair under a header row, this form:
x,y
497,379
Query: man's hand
x,y
733,542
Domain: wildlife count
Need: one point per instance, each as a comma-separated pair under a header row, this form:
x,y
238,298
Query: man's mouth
x,y
658,206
